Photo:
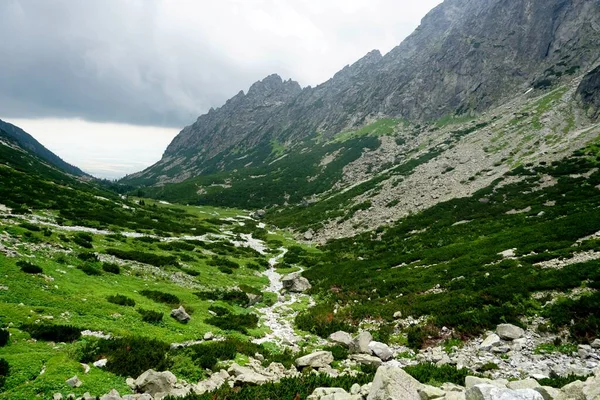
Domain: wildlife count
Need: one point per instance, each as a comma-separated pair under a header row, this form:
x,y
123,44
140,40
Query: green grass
x,y
382,127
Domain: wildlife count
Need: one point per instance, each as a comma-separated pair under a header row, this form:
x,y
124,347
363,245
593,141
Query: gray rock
x,y
295,283
547,392
509,332
490,341
523,384
74,382
100,363
341,337
153,382
366,359
246,376
588,93
491,392
208,336
471,381
572,391
596,344
57,396
180,315
308,235
112,395
381,350
360,343
394,383
428,392
398,315
319,359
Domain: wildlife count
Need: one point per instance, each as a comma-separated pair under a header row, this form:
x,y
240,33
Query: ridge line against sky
x,y
156,65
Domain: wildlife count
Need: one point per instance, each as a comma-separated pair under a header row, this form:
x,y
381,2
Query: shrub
x,y
121,300
88,257
431,374
223,262
30,227
111,268
52,333
82,242
89,269
4,370
560,381
417,335
339,352
171,246
225,270
322,321
230,296
128,356
488,366
4,337
143,257
237,322
160,297
150,316
29,268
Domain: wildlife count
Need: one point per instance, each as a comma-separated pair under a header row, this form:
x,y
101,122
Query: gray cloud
x,y
163,63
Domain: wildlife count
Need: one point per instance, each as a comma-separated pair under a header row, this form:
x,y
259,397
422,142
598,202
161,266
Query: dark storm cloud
x,y
163,63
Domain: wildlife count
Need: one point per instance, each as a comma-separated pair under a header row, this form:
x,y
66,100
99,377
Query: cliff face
x,y
466,56
588,93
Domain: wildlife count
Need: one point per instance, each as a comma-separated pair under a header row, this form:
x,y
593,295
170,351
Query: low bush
x,y
111,268
88,257
339,352
287,388
89,269
225,270
29,268
4,337
128,356
173,246
150,316
52,333
143,257
223,262
4,370
431,374
236,322
121,300
161,297
322,321
560,381
83,239
418,335
230,296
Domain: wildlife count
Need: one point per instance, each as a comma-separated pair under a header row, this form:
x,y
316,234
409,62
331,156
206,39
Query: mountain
x,y
26,141
372,143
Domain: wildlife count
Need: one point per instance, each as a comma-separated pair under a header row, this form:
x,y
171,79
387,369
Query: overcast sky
x,y
93,79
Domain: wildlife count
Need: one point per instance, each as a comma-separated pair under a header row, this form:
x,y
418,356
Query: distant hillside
x,y
28,142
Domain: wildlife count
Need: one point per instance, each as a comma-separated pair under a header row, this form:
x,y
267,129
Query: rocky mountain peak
x,y
368,61
274,85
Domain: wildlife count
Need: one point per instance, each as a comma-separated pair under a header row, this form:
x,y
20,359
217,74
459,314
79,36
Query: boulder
x,y
208,336
259,214
112,395
381,350
153,382
74,382
308,235
491,341
547,392
366,359
394,383
491,392
319,359
591,388
428,392
523,384
398,315
180,315
572,391
326,392
471,381
360,344
341,337
295,283
509,332
57,396
246,376
596,344
253,299
100,363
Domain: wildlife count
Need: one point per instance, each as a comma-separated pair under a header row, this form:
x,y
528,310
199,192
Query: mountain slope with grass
x,y
26,141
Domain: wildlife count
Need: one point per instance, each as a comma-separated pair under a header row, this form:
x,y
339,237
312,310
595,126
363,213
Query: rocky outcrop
x,y
320,359
394,383
295,283
465,55
180,315
341,337
588,93
509,332
360,343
